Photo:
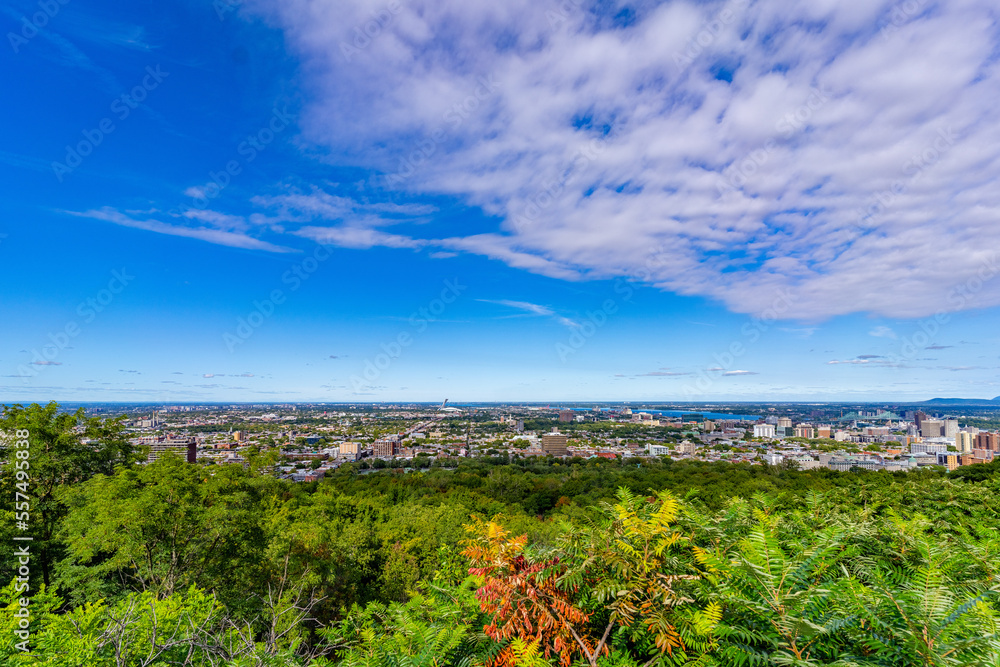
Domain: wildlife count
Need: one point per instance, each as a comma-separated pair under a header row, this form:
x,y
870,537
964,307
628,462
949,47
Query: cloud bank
x,y
841,150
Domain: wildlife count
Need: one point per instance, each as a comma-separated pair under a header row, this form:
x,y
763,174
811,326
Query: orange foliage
x,y
523,597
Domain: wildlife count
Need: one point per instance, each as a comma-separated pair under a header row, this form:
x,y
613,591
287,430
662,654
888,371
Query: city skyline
x,y
262,201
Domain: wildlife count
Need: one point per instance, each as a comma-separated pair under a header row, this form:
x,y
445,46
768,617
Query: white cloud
x,y
598,151
533,309
217,236
882,331
358,237
872,360
663,374
731,373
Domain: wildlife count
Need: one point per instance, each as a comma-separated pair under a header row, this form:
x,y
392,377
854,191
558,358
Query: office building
x,y
928,447
964,441
931,428
784,422
353,448
918,418
950,428
950,460
988,441
554,444
186,448
386,447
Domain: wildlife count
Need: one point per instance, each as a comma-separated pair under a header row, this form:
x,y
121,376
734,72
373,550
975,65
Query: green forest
x,y
492,562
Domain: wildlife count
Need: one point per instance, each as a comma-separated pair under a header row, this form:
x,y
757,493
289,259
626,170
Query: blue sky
x,y
342,201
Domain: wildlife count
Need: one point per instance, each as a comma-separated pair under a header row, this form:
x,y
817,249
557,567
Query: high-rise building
x,y
784,422
950,428
554,444
803,431
351,448
931,428
950,460
763,430
964,441
565,416
186,448
386,447
687,447
918,417
988,441
929,447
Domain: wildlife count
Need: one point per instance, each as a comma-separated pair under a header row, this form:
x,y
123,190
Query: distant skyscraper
x,y
964,441
931,428
555,444
386,447
950,428
186,448
918,418
988,441
763,430
565,416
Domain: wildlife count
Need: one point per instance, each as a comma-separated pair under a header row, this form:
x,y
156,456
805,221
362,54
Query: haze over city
x,y
367,201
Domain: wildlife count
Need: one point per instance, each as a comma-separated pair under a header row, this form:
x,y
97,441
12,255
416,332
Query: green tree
x,y
166,526
65,449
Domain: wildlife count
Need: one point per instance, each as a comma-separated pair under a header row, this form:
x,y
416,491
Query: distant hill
x,y
962,401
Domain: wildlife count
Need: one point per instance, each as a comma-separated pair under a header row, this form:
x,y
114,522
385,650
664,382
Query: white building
x,y
930,446
763,430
